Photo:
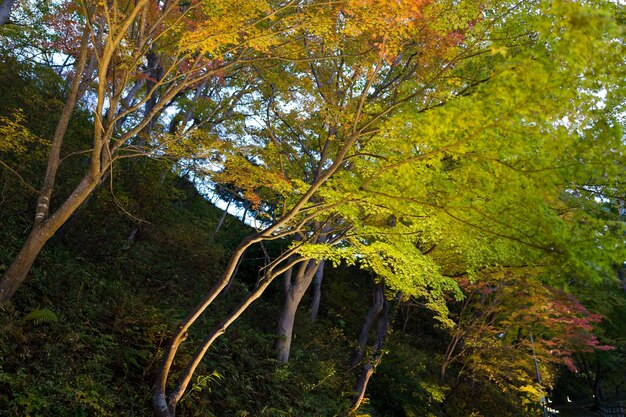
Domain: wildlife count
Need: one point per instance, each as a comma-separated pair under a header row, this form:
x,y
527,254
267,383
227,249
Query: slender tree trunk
x,y
155,73
198,93
54,155
219,224
319,275
449,356
245,212
382,329
361,386
232,278
128,101
458,336
406,315
159,395
5,10
165,405
39,235
376,307
45,227
317,291
294,291
16,274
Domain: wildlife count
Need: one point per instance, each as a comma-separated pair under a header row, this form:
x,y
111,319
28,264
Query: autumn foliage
x,y
465,157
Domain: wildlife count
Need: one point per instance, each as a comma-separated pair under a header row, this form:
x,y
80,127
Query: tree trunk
x,y
159,395
382,326
155,73
450,356
5,11
378,300
54,155
16,274
165,405
286,320
317,291
246,207
219,224
197,95
382,329
294,290
39,235
45,227
232,278
361,386
406,315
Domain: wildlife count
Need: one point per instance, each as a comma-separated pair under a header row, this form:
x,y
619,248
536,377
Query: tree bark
x,y
221,222
45,227
361,386
232,278
294,290
286,320
54,155
378,300
5,11
16,274
159,394
165,405
382,329
245,212
317,291
155,73
319,274
39,235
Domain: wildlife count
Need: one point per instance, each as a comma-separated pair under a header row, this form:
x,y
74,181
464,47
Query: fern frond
x,y
41,316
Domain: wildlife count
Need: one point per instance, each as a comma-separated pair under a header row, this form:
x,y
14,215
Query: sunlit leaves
x,y
252,180
14,136
472,144
508,322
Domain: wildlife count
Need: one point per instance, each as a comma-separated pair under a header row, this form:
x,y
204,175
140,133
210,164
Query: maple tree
x,y
299,210
392,144
132,62
507,321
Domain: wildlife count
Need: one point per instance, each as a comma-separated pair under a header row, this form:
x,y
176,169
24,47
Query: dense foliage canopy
x,y
460,161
